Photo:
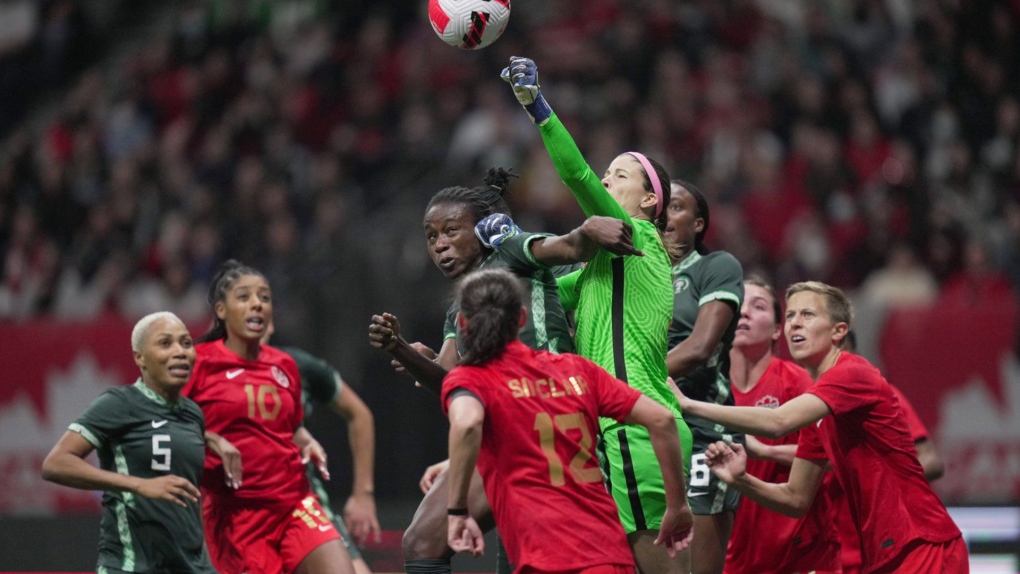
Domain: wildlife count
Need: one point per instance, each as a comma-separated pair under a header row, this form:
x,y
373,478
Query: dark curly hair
x,y
482,200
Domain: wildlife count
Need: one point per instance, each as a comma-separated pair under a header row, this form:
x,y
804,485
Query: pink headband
x,y
652,177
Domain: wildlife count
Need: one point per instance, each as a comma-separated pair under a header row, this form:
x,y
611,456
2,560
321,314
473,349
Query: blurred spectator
x,y
978,282
902,282
305,137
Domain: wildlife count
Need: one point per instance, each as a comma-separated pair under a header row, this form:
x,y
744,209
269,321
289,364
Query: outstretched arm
x,y
359,511
384,333
522,75
759,421
792,498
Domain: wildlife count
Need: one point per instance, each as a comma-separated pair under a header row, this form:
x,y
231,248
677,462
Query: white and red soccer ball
x,y
469,24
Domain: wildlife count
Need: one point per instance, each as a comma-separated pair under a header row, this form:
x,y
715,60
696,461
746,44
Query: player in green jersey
x,y
708,291
623,307
449,225
151,449
321,384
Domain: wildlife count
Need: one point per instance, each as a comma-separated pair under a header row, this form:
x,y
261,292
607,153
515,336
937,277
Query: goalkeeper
x,y
623,307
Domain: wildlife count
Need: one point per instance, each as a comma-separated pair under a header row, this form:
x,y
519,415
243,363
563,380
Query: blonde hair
x,y
837,304
142,327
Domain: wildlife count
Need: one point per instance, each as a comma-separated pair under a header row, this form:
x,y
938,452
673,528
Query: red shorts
x,y
598,569
922,556
260,540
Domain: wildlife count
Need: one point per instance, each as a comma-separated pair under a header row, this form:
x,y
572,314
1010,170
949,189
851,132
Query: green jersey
x,y
321,384
622,305
139,433
546,328
697,280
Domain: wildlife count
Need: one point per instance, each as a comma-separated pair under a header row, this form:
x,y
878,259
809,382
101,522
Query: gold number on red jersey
x,y
579,467
267,410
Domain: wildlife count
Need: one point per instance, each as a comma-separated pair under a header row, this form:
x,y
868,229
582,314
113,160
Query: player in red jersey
x,y
250,394
764,541
903,525
927,454
529,419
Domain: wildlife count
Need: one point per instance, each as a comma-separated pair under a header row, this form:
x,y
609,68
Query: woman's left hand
x,y
359,514
313,452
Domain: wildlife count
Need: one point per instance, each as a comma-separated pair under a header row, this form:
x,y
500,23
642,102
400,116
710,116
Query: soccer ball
x,y
469,24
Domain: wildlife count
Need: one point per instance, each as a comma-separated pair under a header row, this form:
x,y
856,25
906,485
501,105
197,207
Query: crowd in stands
x,y
871,144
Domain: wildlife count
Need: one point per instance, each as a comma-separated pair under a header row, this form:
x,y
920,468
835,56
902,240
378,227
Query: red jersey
x,y
537,456
764,541
872,455
256,405
849,540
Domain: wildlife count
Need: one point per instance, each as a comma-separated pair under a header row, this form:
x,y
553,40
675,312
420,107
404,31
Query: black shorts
x,y
706,494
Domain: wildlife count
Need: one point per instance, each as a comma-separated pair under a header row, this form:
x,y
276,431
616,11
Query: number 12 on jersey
x,y
547,426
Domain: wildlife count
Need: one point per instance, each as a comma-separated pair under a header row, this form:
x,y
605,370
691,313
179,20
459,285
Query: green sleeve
x,y
319,380
568,291
450,325
575,173
102,420
516,253
723,280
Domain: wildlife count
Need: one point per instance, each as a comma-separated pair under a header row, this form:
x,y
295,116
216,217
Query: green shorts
x,y
320,490
706,494
633,476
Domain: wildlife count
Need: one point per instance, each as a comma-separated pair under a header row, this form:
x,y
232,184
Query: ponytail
x,y
490,302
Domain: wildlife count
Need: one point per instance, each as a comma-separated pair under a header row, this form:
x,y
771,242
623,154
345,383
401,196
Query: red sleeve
x,y
848,387
467,378
809,444
796,381
918,432
615,399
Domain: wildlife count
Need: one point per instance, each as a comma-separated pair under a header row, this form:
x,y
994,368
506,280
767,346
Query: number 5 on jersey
x,y
547,427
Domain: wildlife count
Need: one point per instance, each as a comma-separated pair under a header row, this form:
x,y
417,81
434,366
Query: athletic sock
x,y
428,566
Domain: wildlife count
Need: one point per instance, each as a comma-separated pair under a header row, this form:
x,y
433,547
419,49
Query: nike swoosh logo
x,y
234,374
156,425
325,527
693,494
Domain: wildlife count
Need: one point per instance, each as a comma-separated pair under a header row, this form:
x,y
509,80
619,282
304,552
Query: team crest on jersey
x,y
768,401
280,376
682,283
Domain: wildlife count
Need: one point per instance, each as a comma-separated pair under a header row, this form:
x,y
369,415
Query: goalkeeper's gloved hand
x,y
522,75
494,229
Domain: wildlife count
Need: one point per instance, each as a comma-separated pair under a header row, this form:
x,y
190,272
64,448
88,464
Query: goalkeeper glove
x,y
493,230
522,75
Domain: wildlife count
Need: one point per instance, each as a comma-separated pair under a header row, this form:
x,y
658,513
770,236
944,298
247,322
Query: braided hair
x,y
230,271
482,200
490,301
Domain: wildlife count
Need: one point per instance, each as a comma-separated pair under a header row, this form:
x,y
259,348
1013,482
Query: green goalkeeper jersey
x,y
623,305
